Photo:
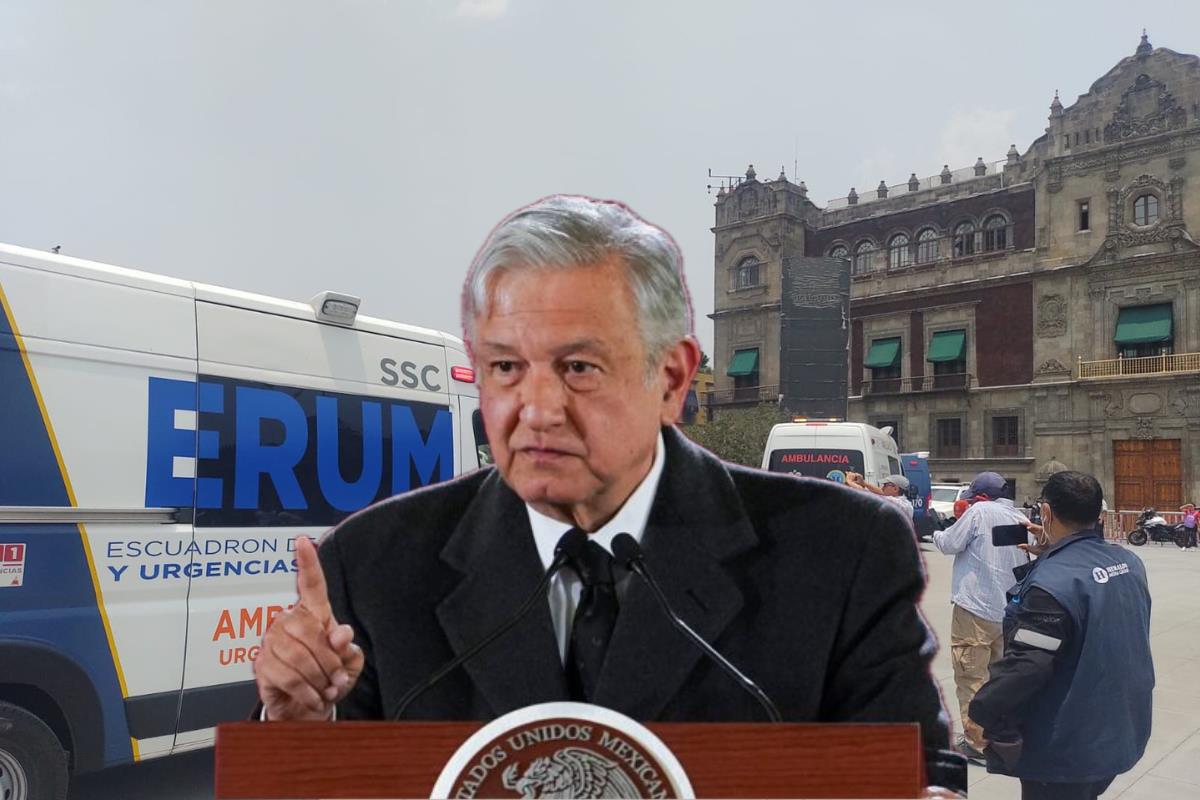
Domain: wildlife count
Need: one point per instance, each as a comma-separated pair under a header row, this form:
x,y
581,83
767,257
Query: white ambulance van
x,y
162,443
831,449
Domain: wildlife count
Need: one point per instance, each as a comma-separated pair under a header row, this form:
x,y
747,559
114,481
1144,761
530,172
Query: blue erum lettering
x,y
342,494
276,461
165,443
425,454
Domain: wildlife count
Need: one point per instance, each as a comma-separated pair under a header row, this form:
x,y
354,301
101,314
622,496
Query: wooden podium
x,y
403,759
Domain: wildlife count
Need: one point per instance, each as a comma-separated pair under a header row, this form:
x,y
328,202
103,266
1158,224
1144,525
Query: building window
x,y
948,353
1145,210
883,359
949,438
995,233
743,368
1085,218
899,254
839,252
927,246
864,258
1006,436
1144,331
747,274
894,424
964,239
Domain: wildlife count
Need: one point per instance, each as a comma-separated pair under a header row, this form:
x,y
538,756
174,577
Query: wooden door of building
x,y
1147,472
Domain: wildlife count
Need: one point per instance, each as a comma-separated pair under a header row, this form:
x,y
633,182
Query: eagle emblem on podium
x,y
571,772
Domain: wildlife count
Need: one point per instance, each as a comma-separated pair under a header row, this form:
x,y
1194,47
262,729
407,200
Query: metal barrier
x,y
1118,524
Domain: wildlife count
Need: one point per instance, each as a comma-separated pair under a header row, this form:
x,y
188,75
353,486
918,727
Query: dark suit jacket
x,y
808,587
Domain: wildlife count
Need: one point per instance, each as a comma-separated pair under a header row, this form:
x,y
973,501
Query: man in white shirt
x,y
982,575
577,322
893,489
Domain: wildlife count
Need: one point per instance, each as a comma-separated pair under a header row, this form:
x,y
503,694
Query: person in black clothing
x,y
1068,706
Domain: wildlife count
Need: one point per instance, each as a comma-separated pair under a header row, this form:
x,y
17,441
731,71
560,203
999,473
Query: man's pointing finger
x,y
310,580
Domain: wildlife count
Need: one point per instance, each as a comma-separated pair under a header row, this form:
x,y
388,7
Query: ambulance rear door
x,y
311,421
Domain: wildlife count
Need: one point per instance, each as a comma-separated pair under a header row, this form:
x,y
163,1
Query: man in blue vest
x,y
1067,708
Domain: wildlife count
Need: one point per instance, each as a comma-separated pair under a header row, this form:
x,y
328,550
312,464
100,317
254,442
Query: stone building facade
x,y
1017,316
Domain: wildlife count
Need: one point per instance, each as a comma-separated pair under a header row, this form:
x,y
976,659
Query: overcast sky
x,y
368,146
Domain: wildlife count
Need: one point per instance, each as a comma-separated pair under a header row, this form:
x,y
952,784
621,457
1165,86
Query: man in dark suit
x,y
578,325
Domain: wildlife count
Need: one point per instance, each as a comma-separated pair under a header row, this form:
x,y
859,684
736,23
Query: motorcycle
x,y
1150,526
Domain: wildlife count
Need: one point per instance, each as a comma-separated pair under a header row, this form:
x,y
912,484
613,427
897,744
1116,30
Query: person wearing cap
x,y
982,575
894,489
1069,706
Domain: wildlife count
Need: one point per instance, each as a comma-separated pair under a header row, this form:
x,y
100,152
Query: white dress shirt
x,y
565,587
899,501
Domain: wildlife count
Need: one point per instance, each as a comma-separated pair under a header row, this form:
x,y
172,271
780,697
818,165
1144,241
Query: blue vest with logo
x,y
1092,720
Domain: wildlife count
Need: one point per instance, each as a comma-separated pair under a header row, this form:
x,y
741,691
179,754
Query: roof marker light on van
x,y
464,374
799,419
336,308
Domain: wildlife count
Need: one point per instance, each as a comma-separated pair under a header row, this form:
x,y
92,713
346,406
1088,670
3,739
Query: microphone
x,y
569,546
628,554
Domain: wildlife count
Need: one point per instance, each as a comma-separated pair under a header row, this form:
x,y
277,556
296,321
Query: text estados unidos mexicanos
x,y
267,558
814,458
491,759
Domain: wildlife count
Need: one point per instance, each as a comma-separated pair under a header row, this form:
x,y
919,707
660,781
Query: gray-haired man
x,y
578,324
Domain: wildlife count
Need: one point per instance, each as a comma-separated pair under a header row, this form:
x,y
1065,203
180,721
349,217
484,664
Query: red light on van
x,y
817,424
464,374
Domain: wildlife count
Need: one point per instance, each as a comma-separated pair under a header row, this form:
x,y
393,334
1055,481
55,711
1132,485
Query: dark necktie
x,y
594,621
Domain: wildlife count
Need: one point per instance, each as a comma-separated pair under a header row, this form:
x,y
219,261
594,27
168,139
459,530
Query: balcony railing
x,y
957,176
976,452
1146,365
743,395
927,383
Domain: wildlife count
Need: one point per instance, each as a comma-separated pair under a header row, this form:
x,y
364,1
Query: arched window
x,y
899,254
747,273
927,246
995,233
964,239
1145,210
839,252
864,258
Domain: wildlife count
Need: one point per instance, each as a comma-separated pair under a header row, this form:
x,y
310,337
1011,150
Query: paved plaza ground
x,y
1170,770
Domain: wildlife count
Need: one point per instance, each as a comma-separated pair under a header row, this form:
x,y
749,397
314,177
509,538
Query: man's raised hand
x,y
307,661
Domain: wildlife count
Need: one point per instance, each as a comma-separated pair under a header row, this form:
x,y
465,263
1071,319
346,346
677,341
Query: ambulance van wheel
x,y
33,765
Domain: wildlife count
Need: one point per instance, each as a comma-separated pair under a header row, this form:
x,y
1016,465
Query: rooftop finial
x,y
750,173
1056,105
1144,46
782,175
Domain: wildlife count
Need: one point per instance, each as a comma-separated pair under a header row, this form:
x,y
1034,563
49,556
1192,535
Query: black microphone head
x,y
626,550
571,544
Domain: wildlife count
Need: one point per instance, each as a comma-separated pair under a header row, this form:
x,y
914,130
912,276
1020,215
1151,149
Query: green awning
x,y
1144,324
946,346
745,362
883,353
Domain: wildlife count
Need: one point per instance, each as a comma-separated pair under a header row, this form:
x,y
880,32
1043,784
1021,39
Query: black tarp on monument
x,y
814,357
